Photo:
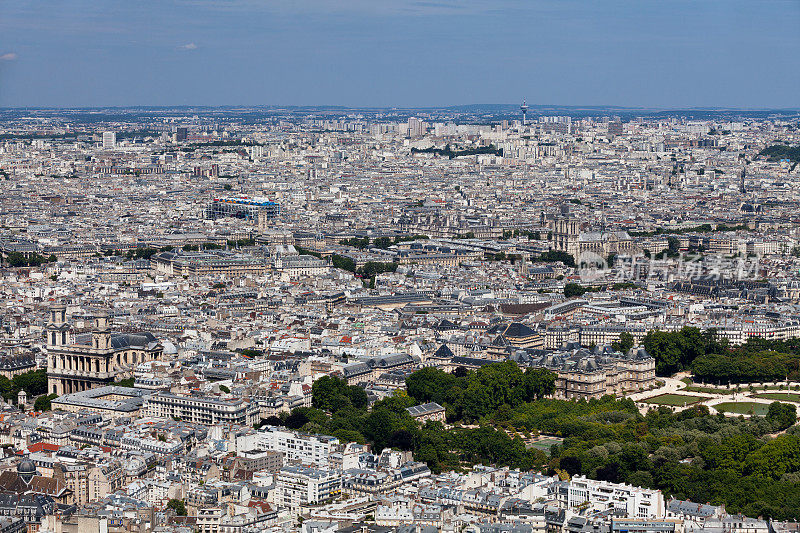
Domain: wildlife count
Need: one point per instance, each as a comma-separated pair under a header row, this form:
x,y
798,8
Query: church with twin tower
x,y
77,362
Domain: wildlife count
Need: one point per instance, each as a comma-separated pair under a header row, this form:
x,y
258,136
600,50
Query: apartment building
x,y
298,447
204,410
582,493
299,486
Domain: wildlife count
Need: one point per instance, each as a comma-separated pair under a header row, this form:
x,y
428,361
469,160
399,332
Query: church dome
x,y
26,466
26,470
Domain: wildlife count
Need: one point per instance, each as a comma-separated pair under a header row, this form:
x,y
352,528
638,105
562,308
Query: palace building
x,y
85,361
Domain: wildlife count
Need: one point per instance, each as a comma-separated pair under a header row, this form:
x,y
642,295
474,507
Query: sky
x,y
383,53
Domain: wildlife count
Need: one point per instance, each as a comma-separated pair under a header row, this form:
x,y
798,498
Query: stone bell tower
x,y
101,335
57,329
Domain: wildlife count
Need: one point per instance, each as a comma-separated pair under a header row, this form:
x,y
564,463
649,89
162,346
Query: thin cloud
x,y
188,46
9,56
318,7
437,5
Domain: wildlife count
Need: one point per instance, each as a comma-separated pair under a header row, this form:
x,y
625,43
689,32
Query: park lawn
x,y
743,408
677,400
545,443
779,396
707,390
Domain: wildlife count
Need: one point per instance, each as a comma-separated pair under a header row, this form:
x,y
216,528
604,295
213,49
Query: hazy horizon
x,y
515,106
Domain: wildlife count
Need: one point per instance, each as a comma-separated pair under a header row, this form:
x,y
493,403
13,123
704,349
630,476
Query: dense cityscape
x,y
491,319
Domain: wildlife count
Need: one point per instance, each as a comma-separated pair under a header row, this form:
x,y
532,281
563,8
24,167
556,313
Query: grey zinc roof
x,y
124,340
688,508
424,409
444,352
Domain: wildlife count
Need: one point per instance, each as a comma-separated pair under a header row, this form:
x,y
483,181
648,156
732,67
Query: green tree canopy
x,y
479,392
43,403
624,343
571,290
676,350
782,415
332,393
178,506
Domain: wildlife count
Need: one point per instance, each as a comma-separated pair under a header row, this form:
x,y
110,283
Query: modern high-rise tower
x,y
742,176
524,109
109,139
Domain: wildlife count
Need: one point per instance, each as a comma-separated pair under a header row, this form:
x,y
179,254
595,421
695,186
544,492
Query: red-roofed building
x,y
44,447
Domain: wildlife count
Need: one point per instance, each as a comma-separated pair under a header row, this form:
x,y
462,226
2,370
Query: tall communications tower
x,y
524,109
